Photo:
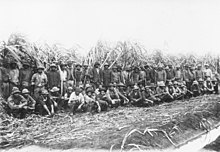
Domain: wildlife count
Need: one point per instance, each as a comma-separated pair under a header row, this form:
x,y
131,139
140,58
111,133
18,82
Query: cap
x,y
25,91
15,90
55,89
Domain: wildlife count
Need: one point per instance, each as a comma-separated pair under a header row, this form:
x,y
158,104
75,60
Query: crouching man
x,y
17,103
45,101
76,101
30,101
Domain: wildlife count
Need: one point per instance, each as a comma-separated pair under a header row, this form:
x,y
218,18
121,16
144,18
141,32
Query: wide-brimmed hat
x,y
152,85
195,82
136,87
97,63
40,67
77,89
25,63
208,79
55,89
78,65
200,80
70,88
206,64
15,90
175,83
161,84
44,92
53,65
89,90
120,84
102,89
106,64
25,91
214,79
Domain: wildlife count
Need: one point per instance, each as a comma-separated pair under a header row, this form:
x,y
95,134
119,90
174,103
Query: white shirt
x,y
208,73
63,75
73,97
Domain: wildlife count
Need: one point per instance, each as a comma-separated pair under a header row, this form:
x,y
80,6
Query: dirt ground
x,y
161,126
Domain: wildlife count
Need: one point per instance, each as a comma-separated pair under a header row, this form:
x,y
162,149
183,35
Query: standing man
x,y
106,75
39,81
207,72
78,74
25,76
199,72
96,75
161,75
13,75
63,78
53,77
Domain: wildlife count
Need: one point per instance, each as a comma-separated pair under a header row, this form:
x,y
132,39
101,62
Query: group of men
x,y
78,88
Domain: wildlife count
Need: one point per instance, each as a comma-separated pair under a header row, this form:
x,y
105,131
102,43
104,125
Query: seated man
x,y
102,99
56,98
177,90
209,86
149,95
137,98
45,101
171,90
122,93
17,103
215,85
113,96
202,86
90,104
76,101
30,101
162,93
195,89
67,96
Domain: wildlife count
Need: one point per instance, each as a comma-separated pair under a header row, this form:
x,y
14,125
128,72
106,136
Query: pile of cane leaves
x,y
160,126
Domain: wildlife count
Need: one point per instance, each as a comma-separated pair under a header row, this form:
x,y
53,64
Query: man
x,y
122,93
53,77
199,72
161,75
30,101
126,75
25,76
96,75
106,75
78,74
209,86
162,92
76,101
4,80
70,77
91,104
178,74
202,86
195,89
188,76
39,81
170,72
147,73
102,99
115,75
113,96
207,72
135,75
17,103
13,75
63,78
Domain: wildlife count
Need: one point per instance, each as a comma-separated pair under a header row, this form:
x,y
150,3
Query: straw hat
x,y
200,80
195,83
15,90
25,91
89,90
44,92
120,84
40,67
136,87
175,83
70,88
54,89
53,65
102,89
161,84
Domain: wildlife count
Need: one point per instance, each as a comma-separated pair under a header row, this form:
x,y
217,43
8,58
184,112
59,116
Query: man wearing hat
x,y
135,75
161,75
209,86
202,86
106,75
170,72
70,77
102,99
126,75
39,81
25,76
17,103
13,75
122,93
53,77
162,92
195,89
137,99
63,78
78,74
30,101
207,72
96,75
199,72
76,100
115,75
178,74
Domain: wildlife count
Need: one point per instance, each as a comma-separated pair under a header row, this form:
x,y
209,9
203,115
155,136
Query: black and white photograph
x,y
109,75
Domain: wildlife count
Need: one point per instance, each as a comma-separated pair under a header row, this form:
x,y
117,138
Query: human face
x,y
102,93
40,70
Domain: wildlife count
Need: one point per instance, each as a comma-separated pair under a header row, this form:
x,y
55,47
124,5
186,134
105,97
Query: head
x,y
26,65
25,92
40,69
69,90
97,65
53,67
106,66
77,91
78,67
147,88
206,66
136,88
13,65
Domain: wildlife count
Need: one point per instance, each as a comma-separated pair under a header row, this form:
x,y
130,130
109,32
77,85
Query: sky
x,y
174,26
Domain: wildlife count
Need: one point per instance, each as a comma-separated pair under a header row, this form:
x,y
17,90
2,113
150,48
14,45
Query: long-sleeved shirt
x,y
53,79
15,101
39,80
14,75
74,97
25,75
208,73
161,76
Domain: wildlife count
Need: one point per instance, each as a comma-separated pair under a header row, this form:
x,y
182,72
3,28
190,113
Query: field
x,y
161,126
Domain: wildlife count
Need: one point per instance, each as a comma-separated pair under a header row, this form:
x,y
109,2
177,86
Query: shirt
x,y
63,75
74,97
14,102
208,73
39,80
14,75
